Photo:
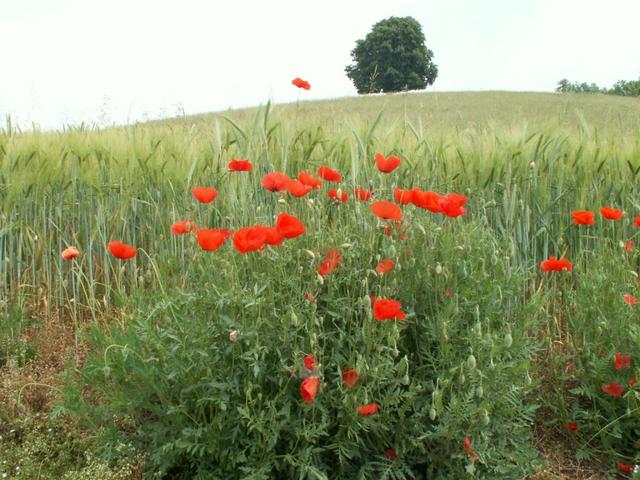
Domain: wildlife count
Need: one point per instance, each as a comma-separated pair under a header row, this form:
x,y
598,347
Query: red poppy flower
x,y
307,179
122,250
636,222
309,362
426,200
274,181
390,453
622,361
386,210
338,196
629,245
613,388
249,239
633,381
630,299
350,377
452,205
583,217
329,174
387,309
362,194
205,194
212,239
240,166
330,263
386,165
611,213
624,468
385,266
289,226
552,264
182,227
297,188
309,388
70,253
469,450
447,292
572,426
272,235
300,83
403,196
368,409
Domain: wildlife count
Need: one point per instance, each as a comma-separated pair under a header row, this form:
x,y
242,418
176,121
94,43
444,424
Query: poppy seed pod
x,y
471,362
508,340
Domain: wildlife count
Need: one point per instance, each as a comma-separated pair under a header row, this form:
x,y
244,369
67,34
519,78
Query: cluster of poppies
x,y
258,237
586,217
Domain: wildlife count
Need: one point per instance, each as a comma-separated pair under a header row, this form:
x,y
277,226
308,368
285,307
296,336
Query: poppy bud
x,y
528,379
310,253
485,418
438,269
471,362
421,228
233,336
320,279
282,201
479,391
432,413
294,319
462,378
107,372
345,245
508,340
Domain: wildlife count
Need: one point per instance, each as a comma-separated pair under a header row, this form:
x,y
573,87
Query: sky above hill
x,y
64,62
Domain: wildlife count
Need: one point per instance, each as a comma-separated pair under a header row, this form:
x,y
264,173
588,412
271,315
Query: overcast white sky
x,y
114,61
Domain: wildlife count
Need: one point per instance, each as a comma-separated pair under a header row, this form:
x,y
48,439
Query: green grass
x,y
525,160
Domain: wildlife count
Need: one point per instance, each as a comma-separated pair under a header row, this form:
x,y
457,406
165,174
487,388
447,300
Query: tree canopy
x,y
392,57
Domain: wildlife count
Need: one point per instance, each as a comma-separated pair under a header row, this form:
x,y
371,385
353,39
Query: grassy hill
x,y
469,112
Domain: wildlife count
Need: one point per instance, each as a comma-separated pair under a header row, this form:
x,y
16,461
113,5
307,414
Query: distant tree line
x,y
625,88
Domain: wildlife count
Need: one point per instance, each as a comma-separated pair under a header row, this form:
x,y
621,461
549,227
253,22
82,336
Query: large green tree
x,y
392,57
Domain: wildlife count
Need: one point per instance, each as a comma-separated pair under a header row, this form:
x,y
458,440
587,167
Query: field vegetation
x,y
277,363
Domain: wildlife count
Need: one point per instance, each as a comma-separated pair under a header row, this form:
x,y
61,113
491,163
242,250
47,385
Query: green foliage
x,y
392,57
39,448
624,88
598,324
202,404
16,347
